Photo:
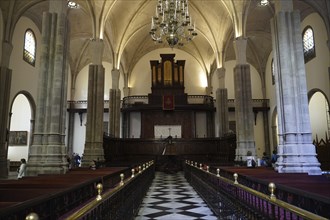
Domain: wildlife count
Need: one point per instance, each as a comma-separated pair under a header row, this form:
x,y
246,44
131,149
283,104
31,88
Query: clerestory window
x,y
308,44
29,52
273,72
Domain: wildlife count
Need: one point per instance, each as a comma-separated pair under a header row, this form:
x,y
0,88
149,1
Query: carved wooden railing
x,y
132,101
53,197
121,202
205,149
230,199
142,99
323,152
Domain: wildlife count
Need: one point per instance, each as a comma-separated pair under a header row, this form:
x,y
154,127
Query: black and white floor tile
x,y
170,197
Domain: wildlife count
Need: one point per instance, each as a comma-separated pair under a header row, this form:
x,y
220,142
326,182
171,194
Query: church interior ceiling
x,y
124,27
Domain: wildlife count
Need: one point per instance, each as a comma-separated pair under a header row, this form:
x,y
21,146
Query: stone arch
x,y
319,111
313,91
32,106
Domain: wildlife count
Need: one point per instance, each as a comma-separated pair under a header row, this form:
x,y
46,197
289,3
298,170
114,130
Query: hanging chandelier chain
x,y
172,23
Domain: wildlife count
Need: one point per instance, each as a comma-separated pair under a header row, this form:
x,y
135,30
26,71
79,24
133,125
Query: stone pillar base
x,y
93,151
242,148
35,169
47,159
298,158
311,169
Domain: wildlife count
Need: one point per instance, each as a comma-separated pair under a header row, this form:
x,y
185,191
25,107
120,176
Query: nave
x,y
150,195
170,197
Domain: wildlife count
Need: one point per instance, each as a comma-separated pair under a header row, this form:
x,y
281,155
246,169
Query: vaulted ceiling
x,y
124,26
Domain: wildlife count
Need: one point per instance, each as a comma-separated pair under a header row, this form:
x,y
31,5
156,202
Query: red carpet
x,y
314,185
311,193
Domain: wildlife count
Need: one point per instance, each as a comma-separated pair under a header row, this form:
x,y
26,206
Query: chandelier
x,y
264,2
72,4
172,23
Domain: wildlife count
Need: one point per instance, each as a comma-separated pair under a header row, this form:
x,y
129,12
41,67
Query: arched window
x,y
29,52
308,44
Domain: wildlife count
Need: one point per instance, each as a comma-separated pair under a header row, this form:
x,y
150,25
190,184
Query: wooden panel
x,y
151,118
211,147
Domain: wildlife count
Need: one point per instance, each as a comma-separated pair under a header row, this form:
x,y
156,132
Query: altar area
x,y
168,110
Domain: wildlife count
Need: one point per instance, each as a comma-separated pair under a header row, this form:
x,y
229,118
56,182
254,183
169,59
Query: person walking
x,y
21,169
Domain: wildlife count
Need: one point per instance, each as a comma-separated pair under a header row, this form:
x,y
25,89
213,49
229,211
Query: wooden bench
x,y
53,195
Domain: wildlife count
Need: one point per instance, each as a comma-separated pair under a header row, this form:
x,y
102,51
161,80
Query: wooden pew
x,y
52,195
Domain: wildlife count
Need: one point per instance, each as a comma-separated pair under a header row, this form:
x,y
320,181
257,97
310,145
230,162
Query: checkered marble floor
x,y
170,197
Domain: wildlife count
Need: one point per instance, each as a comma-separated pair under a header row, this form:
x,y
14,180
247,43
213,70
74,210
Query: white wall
x,y
20,121
24,78
79,134
24,75
135,125
318,115
317,72
317,75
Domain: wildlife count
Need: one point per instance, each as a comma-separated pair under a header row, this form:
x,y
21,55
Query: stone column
x,y
222,103
95,106
126,124
296,152
243,103
266,130
5,84
70,132
95,110
126,91
274,136
114,105
208,90
48,151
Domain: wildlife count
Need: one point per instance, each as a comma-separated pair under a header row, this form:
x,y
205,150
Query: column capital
x,y
58,6
115,73
240,50
221,73
127,91
208,90
283,5
7,48
96,50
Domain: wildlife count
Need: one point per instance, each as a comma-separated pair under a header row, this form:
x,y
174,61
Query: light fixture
x,y
72,4
172,23
264,2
